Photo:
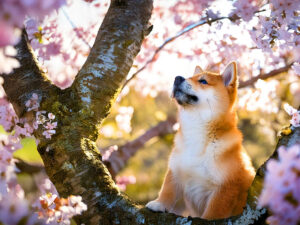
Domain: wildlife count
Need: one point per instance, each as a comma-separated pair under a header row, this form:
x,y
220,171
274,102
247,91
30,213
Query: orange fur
x,y
208,167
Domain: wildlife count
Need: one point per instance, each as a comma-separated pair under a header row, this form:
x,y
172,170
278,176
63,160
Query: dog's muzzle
x,y
181,92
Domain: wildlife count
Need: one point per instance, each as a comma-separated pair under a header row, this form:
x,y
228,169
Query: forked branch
x,y
71,157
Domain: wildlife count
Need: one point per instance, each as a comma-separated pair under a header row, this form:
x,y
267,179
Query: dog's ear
x,y
197,70
230,75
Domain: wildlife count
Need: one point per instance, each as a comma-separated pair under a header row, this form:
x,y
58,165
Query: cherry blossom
x,y
123,181
57,210
46,120
245,9
296,68
32,8
281,187
45,39
13,207
295,121
12,16
32,103
265,37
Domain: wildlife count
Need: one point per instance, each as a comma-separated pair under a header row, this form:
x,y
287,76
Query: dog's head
x,y
206,90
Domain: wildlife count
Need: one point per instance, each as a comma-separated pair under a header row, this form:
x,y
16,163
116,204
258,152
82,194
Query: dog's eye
x,y
202,81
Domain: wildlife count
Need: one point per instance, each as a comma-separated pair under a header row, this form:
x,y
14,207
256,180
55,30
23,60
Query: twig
x,y
74,26
170,39
265,76
29,168
203,21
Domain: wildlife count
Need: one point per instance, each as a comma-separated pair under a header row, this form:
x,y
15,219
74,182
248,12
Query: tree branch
x,y
203,21
29,168
71,157
118,159
118,41
29,78
265,76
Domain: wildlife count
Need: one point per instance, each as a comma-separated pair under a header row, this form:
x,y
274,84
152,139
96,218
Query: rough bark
x,y
71,157
16,84
118,41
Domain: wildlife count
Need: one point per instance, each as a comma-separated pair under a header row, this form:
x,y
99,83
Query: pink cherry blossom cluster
x,y
123,181
14,208
295,121
52,41
11,193
182,10
8,145
8,118
278,29
10,122
13,12
51,208
45,38
46,120
41,118
13,205
8,36
245,9
12,16
22,127
56,210
281,193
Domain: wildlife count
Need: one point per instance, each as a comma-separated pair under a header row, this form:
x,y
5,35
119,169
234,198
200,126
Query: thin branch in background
x,y
170,39
265,76
74,27
205,20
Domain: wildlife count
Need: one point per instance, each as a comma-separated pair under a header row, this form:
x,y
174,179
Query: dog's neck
x,y
205,123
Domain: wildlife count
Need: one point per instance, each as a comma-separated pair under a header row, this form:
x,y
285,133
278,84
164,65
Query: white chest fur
x,y
195,156
196,170
196,162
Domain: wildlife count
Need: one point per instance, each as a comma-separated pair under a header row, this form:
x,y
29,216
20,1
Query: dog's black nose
x,y
178,80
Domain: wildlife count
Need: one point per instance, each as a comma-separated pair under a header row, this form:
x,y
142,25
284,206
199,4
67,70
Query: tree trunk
x,y
71,157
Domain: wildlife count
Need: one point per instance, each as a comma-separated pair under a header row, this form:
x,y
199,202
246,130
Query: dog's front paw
x,y
156,206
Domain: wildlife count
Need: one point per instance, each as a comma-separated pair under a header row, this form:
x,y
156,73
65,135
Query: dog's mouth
x,y
184,98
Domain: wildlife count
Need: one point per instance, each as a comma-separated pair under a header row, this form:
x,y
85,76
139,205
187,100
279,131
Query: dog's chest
x,y
196,163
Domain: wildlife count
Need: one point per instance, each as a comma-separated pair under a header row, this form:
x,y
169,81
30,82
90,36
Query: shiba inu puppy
x,y
209,172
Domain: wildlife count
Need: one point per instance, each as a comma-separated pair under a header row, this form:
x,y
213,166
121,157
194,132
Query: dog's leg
x,y
221,203
168,195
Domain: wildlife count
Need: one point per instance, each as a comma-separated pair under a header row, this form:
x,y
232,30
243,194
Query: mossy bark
x,y
71,157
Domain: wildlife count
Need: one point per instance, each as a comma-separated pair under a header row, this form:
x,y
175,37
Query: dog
x,y
209,172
